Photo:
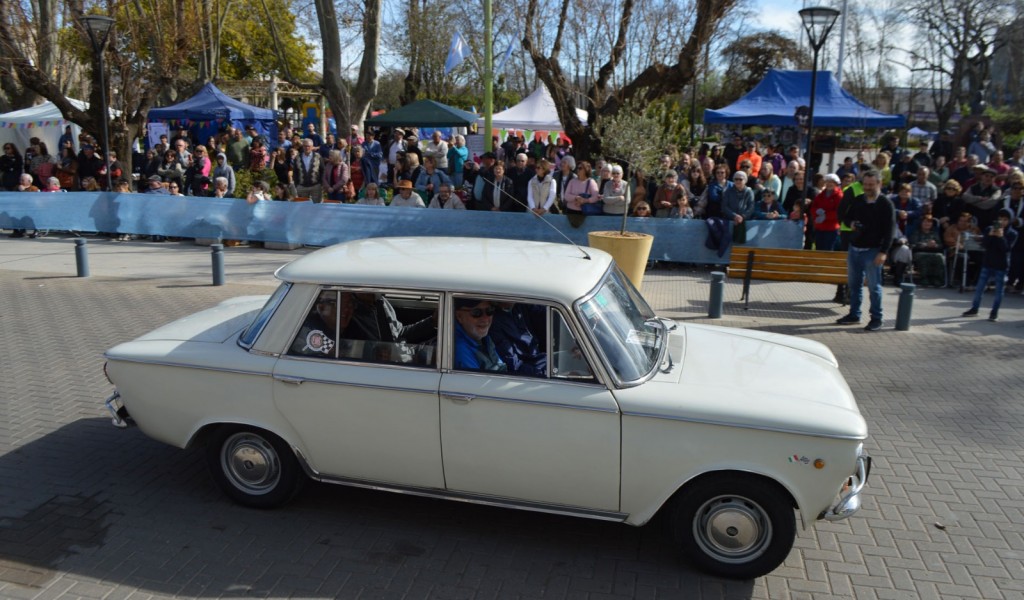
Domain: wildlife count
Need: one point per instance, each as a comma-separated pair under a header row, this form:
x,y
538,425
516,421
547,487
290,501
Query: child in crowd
x,y
797,214
997,241
682,209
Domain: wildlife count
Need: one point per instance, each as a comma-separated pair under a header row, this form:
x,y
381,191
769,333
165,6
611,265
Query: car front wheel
x,y
253,467
734,526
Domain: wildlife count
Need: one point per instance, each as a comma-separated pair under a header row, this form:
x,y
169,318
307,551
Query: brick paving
x,y
88,511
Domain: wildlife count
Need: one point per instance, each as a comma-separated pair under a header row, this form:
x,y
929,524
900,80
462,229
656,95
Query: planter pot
x,y
630,251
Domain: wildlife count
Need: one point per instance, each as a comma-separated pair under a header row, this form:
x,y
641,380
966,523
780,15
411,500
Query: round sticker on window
x,y
317,341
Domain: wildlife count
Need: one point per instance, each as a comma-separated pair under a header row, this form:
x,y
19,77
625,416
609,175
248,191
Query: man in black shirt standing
x,y
732,152
872,218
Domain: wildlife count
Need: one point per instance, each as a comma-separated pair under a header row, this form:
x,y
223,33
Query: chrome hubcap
x,y
250,463
732,528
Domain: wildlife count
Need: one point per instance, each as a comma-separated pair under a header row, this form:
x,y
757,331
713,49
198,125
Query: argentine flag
x,y
457,53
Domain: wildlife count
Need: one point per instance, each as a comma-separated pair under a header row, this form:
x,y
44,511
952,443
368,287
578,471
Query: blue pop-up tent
x,y
210,110
774,102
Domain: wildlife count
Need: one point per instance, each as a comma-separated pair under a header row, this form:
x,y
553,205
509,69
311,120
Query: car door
x,y
550,439
364,409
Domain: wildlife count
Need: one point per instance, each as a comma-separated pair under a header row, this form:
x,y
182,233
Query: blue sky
x,y
780,14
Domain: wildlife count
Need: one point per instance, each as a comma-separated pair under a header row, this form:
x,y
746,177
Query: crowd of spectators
x,y
940,192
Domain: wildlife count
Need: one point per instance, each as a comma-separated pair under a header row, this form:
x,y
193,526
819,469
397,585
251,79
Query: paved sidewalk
x,y
88,511
679,293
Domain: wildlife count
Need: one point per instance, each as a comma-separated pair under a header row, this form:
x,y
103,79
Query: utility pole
x,y
488,77
842,43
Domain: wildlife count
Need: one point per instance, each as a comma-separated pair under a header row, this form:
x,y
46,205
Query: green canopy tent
x,y
424,113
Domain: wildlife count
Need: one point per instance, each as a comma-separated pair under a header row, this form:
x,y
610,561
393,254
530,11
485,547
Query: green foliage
x,y
247,47
1009,122
244,178
674,119
635,138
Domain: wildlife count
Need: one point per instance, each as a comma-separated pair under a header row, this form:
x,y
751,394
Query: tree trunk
x,y
414,78
333,83
366,85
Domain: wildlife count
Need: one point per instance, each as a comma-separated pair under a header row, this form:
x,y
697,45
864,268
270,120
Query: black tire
x,y
254,467
733,525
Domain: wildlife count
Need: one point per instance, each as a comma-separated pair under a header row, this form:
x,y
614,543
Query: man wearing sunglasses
x,y
474,350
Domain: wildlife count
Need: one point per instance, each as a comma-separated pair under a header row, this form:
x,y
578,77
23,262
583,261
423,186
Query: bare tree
x,y
143,57
874,29
653,78
34,28
347,107
956,41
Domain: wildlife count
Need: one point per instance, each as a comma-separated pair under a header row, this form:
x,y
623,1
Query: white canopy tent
x,y
43,121
535,113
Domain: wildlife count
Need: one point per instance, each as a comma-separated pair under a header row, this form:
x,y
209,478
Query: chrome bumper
x,y
117,410
849,500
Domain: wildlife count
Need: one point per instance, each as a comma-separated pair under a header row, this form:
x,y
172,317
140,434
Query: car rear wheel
x,y
734,526
253,467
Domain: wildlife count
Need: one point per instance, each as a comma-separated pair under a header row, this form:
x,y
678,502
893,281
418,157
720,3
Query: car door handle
x,y
458,398
288,379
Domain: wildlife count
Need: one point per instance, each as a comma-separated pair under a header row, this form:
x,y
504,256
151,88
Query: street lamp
x,y
98,27
818,22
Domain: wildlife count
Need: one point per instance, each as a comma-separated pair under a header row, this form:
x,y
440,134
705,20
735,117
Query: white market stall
x,y
43,121
536,112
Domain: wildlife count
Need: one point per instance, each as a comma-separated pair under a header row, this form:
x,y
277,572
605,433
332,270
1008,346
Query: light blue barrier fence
x,y
325,224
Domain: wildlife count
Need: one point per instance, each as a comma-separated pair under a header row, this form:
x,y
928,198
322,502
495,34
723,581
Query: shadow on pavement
x,y
120,509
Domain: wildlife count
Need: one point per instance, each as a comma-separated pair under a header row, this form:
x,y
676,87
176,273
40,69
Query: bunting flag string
x,y
32,124
190,122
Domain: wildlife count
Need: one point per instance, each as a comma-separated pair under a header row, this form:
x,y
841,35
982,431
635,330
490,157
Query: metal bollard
x,y
717,295
217,255
81,257
905,307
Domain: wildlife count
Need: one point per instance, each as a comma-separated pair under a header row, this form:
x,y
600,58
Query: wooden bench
x,y
782,264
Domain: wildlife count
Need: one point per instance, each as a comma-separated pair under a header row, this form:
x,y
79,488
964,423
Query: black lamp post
x,y
98,27
818,22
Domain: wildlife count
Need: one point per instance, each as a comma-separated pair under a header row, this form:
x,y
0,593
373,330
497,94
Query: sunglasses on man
x,y
476,313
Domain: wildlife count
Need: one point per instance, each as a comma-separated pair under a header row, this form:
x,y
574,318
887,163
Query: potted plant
x,y
636,139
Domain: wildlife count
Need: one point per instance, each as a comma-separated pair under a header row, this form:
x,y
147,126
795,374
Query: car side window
x,y
512,337
319,331
375,327
567,359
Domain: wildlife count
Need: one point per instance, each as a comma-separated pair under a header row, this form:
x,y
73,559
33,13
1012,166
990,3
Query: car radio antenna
x,y
543,220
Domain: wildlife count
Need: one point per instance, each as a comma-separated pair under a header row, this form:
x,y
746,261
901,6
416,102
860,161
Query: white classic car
x,y
509,373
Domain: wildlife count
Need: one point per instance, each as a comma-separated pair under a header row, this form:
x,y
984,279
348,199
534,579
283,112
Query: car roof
x,y
530,269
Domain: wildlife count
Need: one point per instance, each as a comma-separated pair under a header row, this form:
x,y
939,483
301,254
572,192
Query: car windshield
x,y
623,326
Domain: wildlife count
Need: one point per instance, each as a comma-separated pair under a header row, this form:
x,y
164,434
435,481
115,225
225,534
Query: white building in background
x,y
920,105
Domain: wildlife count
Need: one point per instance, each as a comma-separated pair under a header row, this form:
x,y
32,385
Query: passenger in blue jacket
x,y
474,350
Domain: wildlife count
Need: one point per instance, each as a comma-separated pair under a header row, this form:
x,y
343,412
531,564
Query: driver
x,y
474,350
514,340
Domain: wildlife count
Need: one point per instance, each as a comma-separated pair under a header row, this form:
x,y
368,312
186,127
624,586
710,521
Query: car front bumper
x,y
120,415
849,497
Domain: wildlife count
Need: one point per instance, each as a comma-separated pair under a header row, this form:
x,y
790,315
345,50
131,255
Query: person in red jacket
x,y
825,214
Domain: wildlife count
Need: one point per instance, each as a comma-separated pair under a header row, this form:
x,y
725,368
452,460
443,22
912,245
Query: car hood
x,y
750,379
213,325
